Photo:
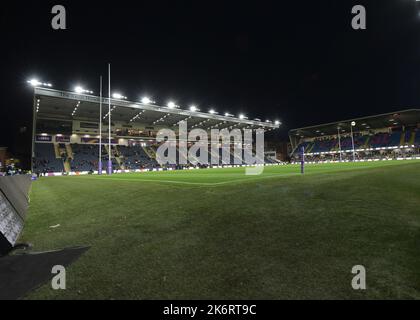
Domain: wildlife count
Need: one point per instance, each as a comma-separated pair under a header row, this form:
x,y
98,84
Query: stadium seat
x,y
45,159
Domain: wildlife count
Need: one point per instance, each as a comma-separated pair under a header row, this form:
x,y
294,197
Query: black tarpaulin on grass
x,y
21,273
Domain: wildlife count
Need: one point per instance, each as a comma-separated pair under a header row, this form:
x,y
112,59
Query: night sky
x,y
296,61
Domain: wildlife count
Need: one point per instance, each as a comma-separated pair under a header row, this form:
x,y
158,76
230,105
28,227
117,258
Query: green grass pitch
x,y
219,234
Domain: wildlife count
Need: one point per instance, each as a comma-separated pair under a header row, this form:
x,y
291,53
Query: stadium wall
x,y
14,202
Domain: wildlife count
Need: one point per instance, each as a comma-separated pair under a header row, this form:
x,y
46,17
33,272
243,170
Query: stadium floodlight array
x,y
37,83
108,113
147,103
75,109
162,119
81,90
38,102
277,122
137,116
172,105
200,124
118,96
181,121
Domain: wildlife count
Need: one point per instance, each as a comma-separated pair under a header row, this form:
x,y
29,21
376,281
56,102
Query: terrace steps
x,y
412,138
57,151
366,144
150,152
67,166
118,157
402,139
116,152
107,150
311,146
69,151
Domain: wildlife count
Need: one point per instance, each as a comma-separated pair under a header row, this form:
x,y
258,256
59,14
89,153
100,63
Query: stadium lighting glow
x,y
37,83
118,96
277,122
146,100
171,105
212,111
193,108
80,90
241,116
34,82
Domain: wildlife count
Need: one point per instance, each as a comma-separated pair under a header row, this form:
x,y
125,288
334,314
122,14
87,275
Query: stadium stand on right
x,y
382,137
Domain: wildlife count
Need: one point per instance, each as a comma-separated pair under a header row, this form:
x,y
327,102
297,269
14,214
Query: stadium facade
x,y
67,132
390,136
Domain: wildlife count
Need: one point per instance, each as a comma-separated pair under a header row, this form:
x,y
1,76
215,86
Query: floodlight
x,y
79,89
34,82
353,123
212,111
171,105
241,116
193,108
118,96
277,123
146,100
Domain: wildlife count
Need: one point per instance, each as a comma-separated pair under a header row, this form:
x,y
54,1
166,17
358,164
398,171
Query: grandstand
x,y
66,132
382,137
